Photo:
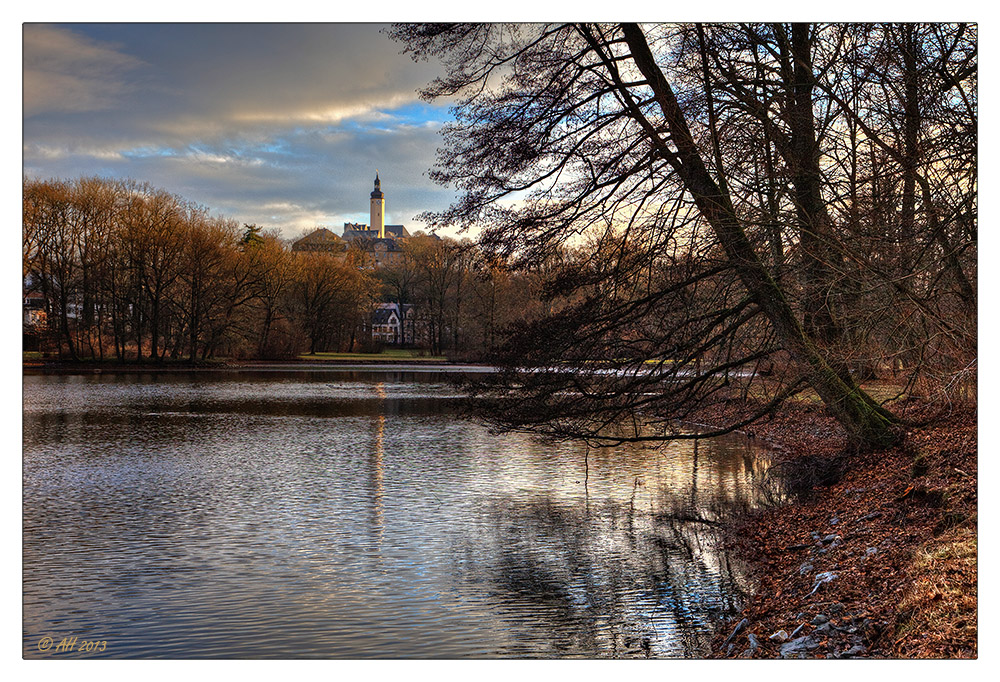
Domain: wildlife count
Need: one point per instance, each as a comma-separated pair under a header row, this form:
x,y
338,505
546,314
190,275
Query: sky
x,y
282,125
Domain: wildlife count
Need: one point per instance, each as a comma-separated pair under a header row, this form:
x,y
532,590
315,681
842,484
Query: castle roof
x,y
354,231
320,239
384,312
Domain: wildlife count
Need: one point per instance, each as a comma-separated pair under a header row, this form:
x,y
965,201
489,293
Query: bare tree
x,y
703,152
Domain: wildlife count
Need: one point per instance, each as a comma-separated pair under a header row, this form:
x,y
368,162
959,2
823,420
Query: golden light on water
x,y
378,467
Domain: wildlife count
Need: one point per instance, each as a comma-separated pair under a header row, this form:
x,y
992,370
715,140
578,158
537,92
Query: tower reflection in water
x,y
378,466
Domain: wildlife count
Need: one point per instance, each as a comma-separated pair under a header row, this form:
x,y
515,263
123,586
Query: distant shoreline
x,y
64,367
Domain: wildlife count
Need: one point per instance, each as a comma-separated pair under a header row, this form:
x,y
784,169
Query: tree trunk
x,y
867,424
819,255
911,132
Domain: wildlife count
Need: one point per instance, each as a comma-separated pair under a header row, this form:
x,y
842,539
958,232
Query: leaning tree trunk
x,y
867,424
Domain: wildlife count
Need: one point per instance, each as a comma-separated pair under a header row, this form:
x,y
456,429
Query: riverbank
x,y
305,362
879,560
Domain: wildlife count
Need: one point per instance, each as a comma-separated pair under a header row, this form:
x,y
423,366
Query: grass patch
x,y
763,388
939,611
387,355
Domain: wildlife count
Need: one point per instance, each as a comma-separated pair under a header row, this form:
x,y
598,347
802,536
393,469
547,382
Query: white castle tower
x,y
378,209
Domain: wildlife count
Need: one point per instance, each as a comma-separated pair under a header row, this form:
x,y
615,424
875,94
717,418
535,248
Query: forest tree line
x,y
130,272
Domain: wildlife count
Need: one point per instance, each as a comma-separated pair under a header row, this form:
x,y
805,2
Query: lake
x,y
336,513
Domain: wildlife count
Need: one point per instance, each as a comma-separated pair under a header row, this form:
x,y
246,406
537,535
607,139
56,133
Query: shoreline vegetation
x,y
861,555
34,362
873,554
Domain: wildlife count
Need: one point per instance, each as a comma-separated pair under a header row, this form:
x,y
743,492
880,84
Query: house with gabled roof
x,y
393,324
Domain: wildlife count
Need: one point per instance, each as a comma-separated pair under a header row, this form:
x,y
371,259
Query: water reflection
x,y
329,514
377,466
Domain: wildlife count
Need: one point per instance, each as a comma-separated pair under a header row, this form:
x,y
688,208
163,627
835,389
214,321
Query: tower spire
x,y
378,208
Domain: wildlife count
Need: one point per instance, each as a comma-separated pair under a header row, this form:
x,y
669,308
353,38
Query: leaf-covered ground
x,y
881,563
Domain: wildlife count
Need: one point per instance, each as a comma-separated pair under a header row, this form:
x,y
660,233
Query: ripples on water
x,y
351,514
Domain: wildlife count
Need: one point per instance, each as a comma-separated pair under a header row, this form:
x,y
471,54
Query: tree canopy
x,y
767,207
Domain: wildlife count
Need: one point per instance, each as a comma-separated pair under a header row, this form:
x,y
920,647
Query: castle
x,y
380,242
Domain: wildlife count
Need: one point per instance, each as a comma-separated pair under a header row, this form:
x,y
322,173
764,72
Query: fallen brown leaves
x,y
939,611
897,532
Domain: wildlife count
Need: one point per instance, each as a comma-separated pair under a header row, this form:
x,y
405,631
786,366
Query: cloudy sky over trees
x,y
277,124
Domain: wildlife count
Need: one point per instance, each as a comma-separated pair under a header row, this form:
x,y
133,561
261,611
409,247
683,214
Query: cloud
x,y
292,179
198,78
64,71
279,125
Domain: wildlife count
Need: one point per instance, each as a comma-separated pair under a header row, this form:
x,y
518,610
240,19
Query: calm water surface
x,y
352,514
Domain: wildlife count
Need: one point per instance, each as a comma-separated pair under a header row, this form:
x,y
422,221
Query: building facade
x,y
380,242
393,324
